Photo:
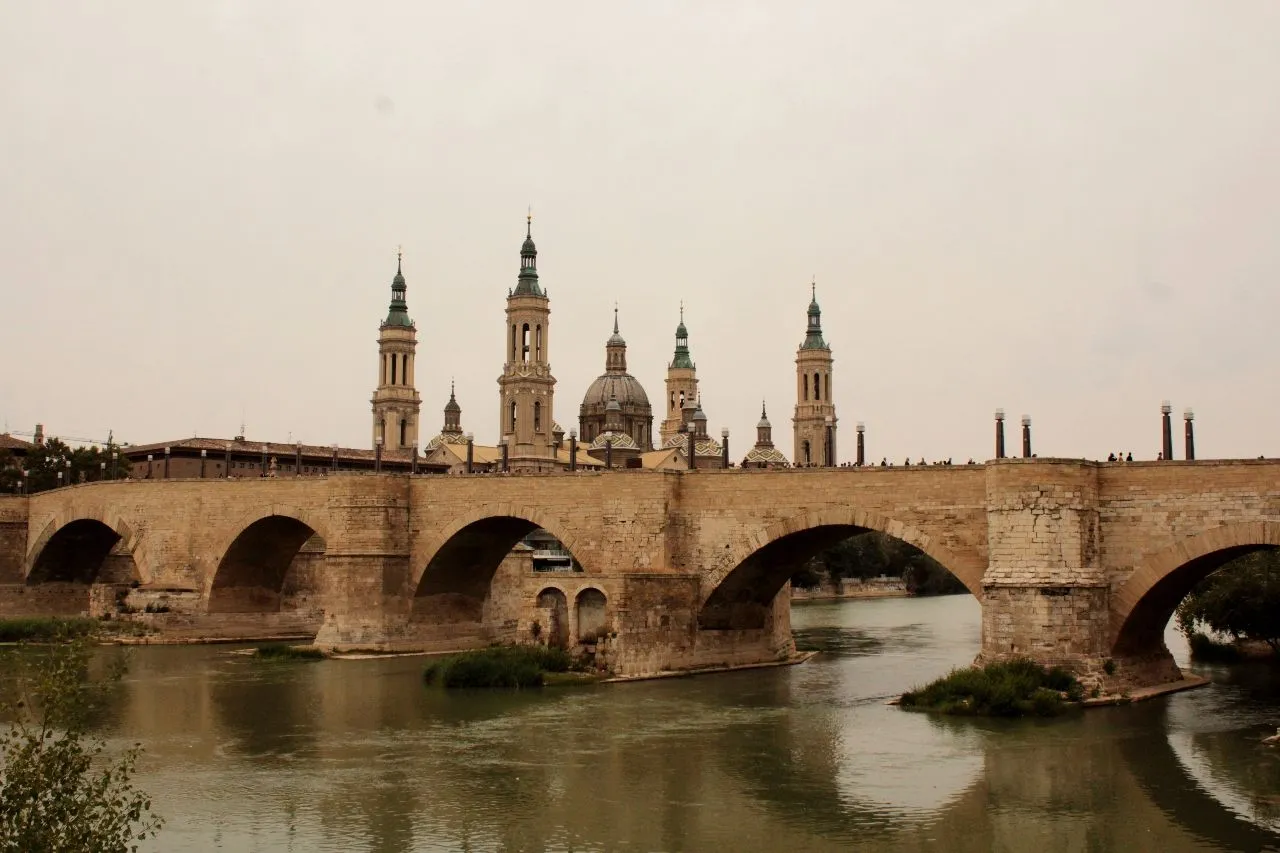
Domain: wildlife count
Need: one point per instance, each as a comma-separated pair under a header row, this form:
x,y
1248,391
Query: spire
x,y
527,284
615,351
398,313
682,358
813,332
764,418
452,413
764,429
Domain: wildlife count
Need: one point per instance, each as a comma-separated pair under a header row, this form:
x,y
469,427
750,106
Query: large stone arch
x,y
1143,605
76,543
505,525
751,572
253,555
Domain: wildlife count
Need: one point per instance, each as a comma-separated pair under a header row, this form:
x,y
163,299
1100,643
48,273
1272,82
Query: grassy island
x,y
1014,688
284,651
506,666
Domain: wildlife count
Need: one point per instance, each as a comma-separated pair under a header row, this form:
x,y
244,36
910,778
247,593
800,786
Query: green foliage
x,y
59,789
1241,600
284,651
44,462
499,666
46,629
873,554
1207,649
1013,688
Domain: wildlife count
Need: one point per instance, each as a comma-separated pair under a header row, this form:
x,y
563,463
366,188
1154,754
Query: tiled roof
x,y
218,446
8,442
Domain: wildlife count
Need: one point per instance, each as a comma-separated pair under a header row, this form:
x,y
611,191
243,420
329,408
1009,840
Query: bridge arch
x,y
1144,604
752,572
255,554
74,545
464,556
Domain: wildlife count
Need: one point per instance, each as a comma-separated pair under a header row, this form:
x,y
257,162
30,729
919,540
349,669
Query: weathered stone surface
x,y
1075,562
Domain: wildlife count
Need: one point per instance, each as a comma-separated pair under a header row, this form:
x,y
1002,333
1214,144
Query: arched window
x,y
393,368
826,382
383,379
524,343
537,354
404,432
513,416
681,399
673,401
817,386
806,386
404,370
537,416
807,457
513,342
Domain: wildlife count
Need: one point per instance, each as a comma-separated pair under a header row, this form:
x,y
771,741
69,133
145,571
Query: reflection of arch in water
x,y
1174,790
738,594
1143,606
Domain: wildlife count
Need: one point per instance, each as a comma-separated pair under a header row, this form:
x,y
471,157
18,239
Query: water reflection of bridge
x,y
776,761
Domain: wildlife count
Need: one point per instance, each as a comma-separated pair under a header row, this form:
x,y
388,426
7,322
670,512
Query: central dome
x,y
623,387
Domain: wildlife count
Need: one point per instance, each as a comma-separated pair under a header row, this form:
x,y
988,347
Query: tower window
x,y
404,427
538,351
513,342
537,416
681,399
806,386
383,380
817,386
513,416
826,381
404,371
393,369
807,457
524,343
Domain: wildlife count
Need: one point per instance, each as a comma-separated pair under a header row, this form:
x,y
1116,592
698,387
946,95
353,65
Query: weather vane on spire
x,y
528,222
813,286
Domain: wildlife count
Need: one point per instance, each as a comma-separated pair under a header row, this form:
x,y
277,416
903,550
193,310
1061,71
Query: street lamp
x,y
1026,436
68,463
102,471
999,433
861,458
830,456
150,457
1188,416
26,487
333,464
166,463
573,450
724,447
692,446
1166,430
377,455
114,454
470,453
204,455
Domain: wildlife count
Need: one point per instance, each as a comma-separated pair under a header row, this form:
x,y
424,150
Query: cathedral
x,y
615,418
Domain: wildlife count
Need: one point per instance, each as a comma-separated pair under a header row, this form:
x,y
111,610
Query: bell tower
x,y
682,385
395,401
815,417
526,387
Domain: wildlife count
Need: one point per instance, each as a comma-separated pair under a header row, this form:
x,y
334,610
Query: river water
x,y
244,755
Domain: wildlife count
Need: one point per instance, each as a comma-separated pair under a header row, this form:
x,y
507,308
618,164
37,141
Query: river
x,y
243,755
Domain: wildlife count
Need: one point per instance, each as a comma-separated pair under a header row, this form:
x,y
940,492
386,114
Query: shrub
x,y
1013,688
1206,648
46,629
284,651
498,666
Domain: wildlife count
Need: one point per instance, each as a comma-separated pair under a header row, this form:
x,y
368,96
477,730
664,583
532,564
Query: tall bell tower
x,y
526,388
682,385
815,417
395,401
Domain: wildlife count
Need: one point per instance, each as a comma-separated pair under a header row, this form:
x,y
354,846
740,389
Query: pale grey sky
x,y
1068,209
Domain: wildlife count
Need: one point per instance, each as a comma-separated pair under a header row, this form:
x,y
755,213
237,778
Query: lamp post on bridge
x,y
608,454
724,448
861,458
204,455
506,455
1026,436
1188,417
167,452
692,445
828,455
333,463
470,453
377,455
114,456
999,433
1166,430
150,467
102,471
573,450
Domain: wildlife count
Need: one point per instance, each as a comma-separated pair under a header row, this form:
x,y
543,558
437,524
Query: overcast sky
x,y
1065,209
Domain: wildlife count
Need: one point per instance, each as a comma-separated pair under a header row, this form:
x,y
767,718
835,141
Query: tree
x,y
1241,600
44,462
59,790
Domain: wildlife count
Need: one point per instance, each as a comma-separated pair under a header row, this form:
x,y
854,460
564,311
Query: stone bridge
x,y
1073,561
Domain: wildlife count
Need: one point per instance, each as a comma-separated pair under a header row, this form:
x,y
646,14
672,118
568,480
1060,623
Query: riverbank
x,y
848,593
